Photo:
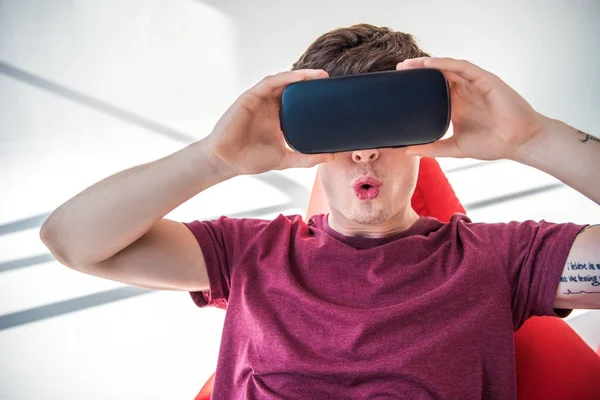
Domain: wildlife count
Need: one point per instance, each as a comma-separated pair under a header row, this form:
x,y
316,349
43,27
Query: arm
x,y
492,121
580,281
116,228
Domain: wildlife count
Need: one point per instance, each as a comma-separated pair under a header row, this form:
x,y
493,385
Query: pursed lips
x,y
367,180
367,188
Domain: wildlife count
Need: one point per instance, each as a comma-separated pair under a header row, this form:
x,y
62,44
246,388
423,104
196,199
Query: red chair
x,y
552,361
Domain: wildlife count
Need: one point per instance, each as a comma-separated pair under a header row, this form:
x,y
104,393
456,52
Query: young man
x,y
370,300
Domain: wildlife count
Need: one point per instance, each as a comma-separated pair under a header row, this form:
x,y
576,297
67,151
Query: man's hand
x,y
248,138
491,120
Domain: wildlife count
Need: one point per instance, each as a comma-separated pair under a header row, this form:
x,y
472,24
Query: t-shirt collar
x,y
358,242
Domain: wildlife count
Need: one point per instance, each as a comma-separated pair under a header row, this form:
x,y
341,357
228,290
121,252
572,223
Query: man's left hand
x,y
491,120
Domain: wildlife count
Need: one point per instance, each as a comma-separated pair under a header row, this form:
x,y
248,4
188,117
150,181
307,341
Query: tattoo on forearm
x,y
586,275
587,136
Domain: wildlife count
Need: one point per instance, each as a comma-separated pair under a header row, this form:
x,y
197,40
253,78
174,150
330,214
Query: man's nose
x,y
365,156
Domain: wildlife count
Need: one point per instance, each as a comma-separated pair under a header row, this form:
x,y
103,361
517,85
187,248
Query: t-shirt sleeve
x,y
533,255
223,243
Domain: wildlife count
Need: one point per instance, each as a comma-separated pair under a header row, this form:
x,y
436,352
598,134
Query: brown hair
x,y
358,49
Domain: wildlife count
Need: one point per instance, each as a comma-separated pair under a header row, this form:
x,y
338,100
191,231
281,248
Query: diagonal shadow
x,y
84,302
23,224
91,102
68,306
298,193
273,178
26,262
512,196
48,257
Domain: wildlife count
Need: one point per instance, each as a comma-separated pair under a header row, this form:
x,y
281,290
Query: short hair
x,y
359,49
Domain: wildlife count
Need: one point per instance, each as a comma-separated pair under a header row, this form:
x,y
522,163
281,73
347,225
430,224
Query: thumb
x,y
294,159
439,148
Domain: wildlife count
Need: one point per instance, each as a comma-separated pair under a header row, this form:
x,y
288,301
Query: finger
x,y
411,63
452,78
462,68
268,85
439,148
294,159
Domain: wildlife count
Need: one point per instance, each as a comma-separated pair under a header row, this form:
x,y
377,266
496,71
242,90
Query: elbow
x,y
50,238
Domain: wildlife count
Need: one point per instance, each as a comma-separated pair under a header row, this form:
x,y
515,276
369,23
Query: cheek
x,y
327,179
332,180
407,179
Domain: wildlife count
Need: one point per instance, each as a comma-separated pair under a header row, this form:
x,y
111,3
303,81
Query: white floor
x,y
90,88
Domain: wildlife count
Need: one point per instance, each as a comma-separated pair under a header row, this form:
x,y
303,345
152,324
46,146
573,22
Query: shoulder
x,y
463,226
249,224
237,234
464,221
516,233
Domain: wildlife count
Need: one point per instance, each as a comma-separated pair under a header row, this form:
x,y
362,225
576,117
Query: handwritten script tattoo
x,y
587,136
584,274
580,292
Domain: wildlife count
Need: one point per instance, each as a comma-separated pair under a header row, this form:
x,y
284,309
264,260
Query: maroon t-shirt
x,y
428,313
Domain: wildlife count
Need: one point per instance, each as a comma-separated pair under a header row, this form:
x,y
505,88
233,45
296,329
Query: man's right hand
x,y
248,138
131,241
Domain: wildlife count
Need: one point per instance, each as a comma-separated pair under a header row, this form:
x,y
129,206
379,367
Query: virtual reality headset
x,y
364,111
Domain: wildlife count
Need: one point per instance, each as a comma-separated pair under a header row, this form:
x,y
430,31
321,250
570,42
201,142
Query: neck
x,y
398,223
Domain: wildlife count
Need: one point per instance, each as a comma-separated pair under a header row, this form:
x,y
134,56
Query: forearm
x,y
113,213
567,154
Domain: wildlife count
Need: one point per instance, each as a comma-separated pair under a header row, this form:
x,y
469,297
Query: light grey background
x,y
88,88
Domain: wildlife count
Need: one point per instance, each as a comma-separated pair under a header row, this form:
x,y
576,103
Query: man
x,y
370,300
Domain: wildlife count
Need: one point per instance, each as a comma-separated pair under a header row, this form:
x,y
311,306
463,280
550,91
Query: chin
x,y
369,214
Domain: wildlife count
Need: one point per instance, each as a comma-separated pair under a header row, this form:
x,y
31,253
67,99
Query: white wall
x,y
89,88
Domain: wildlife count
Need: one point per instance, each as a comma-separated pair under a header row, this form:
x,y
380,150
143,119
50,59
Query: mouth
x,y
367,188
